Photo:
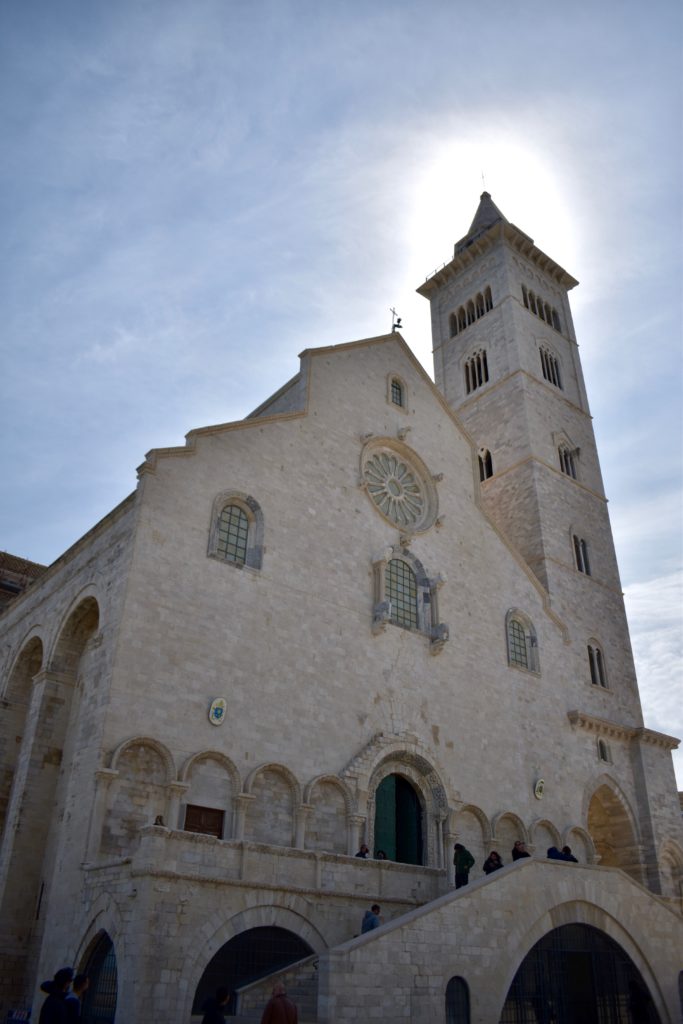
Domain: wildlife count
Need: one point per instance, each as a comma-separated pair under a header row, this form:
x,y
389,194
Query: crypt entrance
x,y
245,958
576,974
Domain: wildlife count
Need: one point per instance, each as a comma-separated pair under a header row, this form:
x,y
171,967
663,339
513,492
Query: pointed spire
x,y
486,216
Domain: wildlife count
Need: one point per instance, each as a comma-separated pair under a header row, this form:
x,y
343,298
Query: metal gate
x,y
99,1001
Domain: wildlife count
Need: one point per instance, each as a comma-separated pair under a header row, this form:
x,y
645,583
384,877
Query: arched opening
x,y
612,832
398,820
18,698
247,957
457,1002
99,1001
578,975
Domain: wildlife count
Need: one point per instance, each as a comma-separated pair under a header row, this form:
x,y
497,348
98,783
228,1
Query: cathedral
x,y
381,611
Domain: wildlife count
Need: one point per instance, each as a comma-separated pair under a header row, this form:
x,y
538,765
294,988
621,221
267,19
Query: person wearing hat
x,y
53,1010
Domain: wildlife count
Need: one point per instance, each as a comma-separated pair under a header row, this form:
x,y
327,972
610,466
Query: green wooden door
x,y
398,821
408,823
385,817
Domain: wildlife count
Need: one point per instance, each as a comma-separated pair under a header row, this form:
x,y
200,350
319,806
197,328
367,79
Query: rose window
x,y
394,489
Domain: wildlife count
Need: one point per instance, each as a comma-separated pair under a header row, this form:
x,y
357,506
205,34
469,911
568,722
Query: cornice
x,y
614,730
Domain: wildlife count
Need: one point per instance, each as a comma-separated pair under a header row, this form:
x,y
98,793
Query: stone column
x,y
448,840
355,823
242,801
176,790
103,779
302,815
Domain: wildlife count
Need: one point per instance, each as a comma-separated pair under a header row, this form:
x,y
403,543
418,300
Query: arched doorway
x,y
611,829
578,975
247,957
457,1001
398,820
99,1002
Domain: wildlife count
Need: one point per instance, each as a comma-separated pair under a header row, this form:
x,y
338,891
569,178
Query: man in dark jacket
x,y
53,1010
214,1009
280,1009
463,861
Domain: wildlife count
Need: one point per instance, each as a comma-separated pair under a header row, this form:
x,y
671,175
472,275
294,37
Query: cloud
x,y
655,613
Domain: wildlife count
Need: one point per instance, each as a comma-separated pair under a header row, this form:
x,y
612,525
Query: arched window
x,y
453,325
604,752
581,555
485,464
532,303
480,305
396,392
404,596
567,461
476,371
522,644
462,318
233,530
401,592
596,663
236,532
488,300
457,1002
525,296
556,321
470,312
550,367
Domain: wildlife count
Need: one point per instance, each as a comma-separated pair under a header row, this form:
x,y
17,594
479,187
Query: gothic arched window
x,y
567,461
596,663
551,367
581,555
404,596
476,371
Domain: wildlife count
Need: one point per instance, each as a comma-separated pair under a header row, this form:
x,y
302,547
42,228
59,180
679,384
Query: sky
x,y
194,192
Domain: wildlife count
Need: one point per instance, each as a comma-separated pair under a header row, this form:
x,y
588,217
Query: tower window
x,y
581,555
597,666
567,461
521,642
476,371
604,753
396,392
540,308
470,312
401,591
485,464
233,530
551,367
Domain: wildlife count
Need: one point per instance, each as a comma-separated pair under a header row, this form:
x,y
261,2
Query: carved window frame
x,y
252,510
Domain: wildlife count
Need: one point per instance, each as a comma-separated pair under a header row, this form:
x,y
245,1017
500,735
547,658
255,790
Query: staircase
x,y
300,980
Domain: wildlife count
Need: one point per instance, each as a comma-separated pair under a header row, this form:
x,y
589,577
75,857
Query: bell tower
x,y
507,361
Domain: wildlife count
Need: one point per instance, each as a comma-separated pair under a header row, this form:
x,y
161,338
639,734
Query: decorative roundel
x,y
400,486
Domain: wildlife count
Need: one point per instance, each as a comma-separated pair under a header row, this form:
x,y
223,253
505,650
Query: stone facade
x,y
112,660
